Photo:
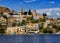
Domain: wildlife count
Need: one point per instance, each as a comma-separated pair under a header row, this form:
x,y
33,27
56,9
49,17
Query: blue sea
x,y
35,38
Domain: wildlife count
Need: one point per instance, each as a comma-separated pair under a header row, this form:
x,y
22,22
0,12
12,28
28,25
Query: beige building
x,y
15,30
13,18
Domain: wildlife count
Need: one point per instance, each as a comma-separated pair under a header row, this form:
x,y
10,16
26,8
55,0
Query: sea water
x,y
34,38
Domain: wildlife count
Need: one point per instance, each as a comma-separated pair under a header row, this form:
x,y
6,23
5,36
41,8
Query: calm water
x,y
45,38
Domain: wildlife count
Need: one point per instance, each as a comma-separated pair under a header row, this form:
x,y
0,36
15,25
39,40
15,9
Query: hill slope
x,y
4,9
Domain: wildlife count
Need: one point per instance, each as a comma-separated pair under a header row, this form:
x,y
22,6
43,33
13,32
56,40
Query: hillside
x,y
4,9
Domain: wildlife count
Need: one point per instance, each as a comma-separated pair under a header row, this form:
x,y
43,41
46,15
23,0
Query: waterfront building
x,y
15,30
32,28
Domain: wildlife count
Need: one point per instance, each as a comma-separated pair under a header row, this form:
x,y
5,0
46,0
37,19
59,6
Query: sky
x,y
30,4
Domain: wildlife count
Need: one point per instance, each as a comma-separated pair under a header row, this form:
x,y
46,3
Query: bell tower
x,y
22,12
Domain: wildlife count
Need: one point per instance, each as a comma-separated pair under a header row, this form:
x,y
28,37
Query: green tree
x,y
41,25
44,30
5,16
6,19
14,24
23,22
2,29
19,24
44,15
57,27
35,21
47,30
29,12
43,19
